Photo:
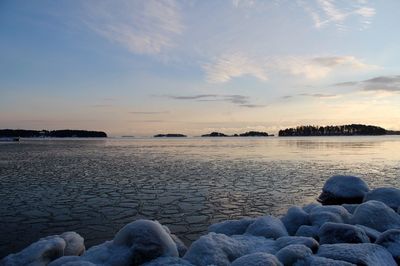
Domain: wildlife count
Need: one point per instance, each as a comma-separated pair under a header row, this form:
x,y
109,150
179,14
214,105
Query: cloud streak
x,y
142,27
239,100
380,83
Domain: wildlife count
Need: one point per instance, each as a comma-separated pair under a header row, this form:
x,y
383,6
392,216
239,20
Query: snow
x,y
360,254
376,215
292,253
267,226
332,233
294,218
388,195
390,240
74,244
341,189
285,241
257,259
308,231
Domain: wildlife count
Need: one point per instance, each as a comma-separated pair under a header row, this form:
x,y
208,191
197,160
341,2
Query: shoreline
x,y
357,221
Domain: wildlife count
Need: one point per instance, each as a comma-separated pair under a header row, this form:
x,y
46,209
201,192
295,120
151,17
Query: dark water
x,y
95,187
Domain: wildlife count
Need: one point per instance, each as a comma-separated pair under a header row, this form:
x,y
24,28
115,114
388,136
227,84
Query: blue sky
x,y
147,67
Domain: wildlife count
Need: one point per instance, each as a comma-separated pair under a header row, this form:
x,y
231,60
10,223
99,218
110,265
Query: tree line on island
x,y
65,133
343,130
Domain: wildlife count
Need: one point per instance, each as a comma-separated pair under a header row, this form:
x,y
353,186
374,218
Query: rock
x,y
294,218
360,254
309,207
318,261
255,244
217,249
39,253
180,246
74,244
350,207
308,231
319,218
341,189
388,195
332,233
376,215
390,240
309,242
231,227
170,261
71,261
267,226
371,233
292,253
257,259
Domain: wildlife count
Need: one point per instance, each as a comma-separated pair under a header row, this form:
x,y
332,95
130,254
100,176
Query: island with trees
x,y
65,133
246,134
169,136
343,130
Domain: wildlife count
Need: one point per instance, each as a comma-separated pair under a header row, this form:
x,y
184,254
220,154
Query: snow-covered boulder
x,y
257,259
70,261
388,195
342,189
170,261
292,253
332,233
309,207
214,249
371,233
308,231
285,241
376,215
350,207
255,244
390,240
332,213
231,227
319,261
294,218
74,244
39,253
267,226
360,254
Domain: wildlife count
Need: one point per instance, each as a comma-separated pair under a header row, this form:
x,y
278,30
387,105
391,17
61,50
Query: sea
x,y
96,186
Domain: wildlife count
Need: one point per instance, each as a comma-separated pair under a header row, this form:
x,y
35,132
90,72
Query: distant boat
x,y
16,139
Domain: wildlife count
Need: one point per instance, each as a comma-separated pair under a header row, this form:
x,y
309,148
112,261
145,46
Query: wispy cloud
x,y
143,27
149,112
229,66
239,100
380,83
311,95
327,12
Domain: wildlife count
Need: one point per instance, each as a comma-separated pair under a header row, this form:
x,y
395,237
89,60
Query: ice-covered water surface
x,y
95,187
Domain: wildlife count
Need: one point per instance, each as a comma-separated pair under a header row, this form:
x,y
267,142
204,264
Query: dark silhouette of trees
x,y
344,130
66,133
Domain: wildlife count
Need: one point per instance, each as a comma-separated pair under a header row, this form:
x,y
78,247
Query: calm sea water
x,y
95,187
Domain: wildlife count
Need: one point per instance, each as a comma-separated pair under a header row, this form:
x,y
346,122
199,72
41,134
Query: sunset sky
x,y
146,67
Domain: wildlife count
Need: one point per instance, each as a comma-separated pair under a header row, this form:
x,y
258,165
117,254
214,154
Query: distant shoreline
x,y
64,133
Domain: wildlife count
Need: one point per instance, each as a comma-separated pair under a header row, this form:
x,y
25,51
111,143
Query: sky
x,y
195,66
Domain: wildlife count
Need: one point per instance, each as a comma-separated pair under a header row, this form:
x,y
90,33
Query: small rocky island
x,y
246,134
352,225
169,136
343,130
65,133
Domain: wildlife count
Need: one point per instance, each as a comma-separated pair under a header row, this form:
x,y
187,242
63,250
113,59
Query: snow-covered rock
x,y
170,261
39,253
332,233
360,254
376,215
341,189
231,227
292,253
319,261
390,240
294,218
267,226
285,241
333,213
257,259
350,207
74,244
214,249
309,207
255,244
308,231
371,233
388,195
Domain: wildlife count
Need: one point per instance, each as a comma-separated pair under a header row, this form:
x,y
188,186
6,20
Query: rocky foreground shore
x,y
352,225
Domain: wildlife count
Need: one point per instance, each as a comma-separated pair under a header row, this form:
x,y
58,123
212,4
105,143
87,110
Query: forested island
x,y
246,134
343,130
169,136
65,133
